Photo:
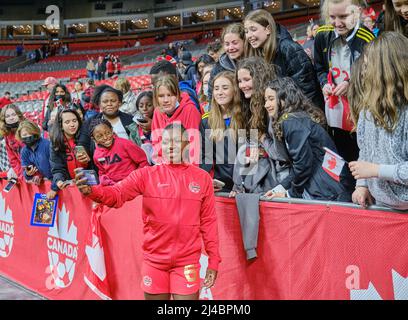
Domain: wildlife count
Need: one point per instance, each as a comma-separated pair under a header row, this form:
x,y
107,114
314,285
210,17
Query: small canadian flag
x,y
333,164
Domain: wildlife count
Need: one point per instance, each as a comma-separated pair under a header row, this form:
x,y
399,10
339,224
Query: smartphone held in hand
x,y
91,177
139,118
10,185
79,149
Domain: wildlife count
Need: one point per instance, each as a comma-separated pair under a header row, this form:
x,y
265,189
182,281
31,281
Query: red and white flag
x,y
337,109
333,164
95,275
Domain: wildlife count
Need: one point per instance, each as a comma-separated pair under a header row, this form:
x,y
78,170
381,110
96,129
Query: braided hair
x,y
96,122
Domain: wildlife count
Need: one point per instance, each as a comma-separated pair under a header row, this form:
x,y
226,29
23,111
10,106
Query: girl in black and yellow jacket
x,y
324,39
337,46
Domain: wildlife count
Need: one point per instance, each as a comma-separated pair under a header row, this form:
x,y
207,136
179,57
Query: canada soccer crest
x,y
194,187
6,229
62,246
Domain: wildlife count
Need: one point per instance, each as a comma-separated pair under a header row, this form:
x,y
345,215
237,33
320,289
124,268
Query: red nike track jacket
x,y
178,210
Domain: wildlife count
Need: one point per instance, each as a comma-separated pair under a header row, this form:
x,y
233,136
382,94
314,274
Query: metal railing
x,y
319,202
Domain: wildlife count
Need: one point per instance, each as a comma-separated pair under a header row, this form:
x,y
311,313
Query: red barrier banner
x,y
304,251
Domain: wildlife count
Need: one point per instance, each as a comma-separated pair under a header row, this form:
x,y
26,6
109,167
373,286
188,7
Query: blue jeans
x,y
91,74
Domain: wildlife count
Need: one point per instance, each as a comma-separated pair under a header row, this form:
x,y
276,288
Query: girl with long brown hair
x,y
381,115
232,39
10,118
253,74
395,17
271,41
220,130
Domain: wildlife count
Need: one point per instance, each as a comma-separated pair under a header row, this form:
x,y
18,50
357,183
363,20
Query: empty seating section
x,y
25,83
63,66
20,88
53,66
100,46
84,55
7,53
4,58
12,47
35,76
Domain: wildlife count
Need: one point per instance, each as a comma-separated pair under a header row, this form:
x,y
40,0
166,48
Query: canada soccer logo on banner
x,y
6,229
62,246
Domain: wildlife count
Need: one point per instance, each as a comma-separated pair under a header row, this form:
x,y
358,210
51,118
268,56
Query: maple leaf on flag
x,y
332,163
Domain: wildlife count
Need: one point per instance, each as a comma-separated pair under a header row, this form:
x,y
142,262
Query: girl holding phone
x,y
141,129
178,211
35,156
65,155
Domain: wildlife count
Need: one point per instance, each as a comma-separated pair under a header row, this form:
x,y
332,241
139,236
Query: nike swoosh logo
x,y
162,185
191,285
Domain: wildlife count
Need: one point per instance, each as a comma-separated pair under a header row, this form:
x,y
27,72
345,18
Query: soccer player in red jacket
x,y
114,157
178,213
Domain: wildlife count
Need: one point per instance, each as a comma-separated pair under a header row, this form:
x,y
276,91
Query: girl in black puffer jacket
x,y
265,38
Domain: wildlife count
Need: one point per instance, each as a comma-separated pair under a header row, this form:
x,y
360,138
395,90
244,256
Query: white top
x,y
120,131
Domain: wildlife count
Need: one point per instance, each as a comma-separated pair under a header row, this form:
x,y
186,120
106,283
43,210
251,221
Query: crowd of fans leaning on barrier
x,y
271,120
